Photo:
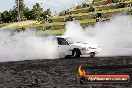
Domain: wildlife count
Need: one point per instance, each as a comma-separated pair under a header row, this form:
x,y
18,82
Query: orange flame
x,y
81,71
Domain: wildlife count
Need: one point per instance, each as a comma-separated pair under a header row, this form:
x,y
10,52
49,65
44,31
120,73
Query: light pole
x,y
18,10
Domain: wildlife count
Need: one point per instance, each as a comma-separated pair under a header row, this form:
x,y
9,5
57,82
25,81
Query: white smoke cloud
x,y
25,46
113,37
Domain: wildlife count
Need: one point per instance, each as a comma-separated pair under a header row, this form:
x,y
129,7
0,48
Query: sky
x,y
55,5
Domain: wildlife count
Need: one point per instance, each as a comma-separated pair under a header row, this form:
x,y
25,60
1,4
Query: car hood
x,y
85,45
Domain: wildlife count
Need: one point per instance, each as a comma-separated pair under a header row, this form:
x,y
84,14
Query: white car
x,y
76,49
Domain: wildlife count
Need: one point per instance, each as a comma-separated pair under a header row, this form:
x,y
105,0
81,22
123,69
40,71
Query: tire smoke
x,y
26,46
114,37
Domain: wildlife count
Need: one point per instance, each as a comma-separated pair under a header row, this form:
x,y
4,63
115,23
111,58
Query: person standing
x,y
107,1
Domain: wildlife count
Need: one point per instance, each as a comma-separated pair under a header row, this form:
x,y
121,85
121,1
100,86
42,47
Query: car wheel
x,y
76,53
92,54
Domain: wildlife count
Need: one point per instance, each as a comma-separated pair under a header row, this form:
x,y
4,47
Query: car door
x,y
63,47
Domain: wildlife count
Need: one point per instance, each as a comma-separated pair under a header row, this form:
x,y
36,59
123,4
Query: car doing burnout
x,y
76,49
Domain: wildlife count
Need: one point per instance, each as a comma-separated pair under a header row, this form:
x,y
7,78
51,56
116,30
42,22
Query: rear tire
x,y
92,54
76,53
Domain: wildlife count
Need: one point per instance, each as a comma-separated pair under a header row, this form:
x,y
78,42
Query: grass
x,y
103,1
48,24
103,11
4,24
16,25
87,20
114,10
55,32
90,20
64,23
129,1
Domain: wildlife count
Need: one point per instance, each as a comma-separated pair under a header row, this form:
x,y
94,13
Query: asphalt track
x,y
62,73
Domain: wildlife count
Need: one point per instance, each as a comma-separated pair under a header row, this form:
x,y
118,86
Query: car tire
x,y
76,53
92,54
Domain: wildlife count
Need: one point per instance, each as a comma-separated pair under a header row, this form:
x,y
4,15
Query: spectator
x,y
91,9
18,30
97,19
107,1
70,18
23,29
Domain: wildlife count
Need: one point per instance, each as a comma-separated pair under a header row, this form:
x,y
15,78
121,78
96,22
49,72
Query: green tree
x,y
27,13
5,17
13,14
46,14
0,18
36,11
21,7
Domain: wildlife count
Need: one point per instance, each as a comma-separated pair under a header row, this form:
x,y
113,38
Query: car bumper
x,y
88,51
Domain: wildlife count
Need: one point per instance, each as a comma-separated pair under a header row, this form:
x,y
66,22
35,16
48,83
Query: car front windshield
x,y
74,40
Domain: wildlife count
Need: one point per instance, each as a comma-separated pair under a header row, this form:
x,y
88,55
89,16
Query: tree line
x,y
36,13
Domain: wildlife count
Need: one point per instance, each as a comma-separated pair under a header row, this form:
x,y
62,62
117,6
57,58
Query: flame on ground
x,y
81,71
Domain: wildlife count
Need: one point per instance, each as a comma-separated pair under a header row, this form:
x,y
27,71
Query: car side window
x,y
62,41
